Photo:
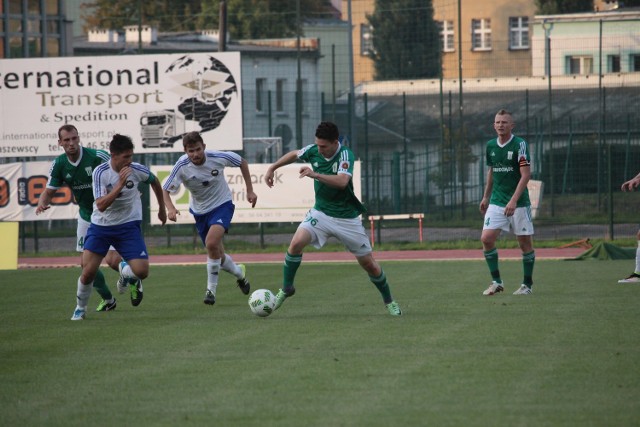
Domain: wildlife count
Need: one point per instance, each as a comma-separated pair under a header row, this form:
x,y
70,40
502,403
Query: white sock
x,y
127,273
638,259
213,268
231,267
83,294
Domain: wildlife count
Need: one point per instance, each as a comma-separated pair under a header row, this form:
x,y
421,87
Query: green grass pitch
x,y
331,356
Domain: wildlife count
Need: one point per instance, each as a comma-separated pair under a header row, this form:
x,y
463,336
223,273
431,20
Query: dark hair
x,y
120,144
503,112
66,128
327,131
191,138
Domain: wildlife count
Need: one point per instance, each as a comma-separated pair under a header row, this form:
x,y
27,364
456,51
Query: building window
x,y
366,40
481,34
446,36
280,86
519,32
580,64
634,63
261,95
613,63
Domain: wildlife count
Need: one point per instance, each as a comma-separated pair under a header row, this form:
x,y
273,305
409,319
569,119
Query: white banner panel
x,y
20,187
154,99
287,201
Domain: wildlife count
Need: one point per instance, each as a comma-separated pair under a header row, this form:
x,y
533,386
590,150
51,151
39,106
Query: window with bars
x,y
446,36
261,95
481,34
519,32
280,87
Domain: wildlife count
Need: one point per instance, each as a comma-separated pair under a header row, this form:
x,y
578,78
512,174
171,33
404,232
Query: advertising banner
x,y
154,99
20,187
287,201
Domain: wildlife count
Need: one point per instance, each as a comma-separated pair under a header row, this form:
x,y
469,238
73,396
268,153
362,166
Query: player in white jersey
x,y
116,220
634,277
201,171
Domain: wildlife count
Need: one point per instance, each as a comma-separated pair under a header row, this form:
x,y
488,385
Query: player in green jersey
x,y
634,277
336,211
75,168
505,203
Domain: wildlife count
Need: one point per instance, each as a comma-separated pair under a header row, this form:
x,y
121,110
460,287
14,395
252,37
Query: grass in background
x,y
566,355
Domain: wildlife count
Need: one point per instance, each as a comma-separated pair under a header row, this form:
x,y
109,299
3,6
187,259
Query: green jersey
x,y
505,162
78,176
332,201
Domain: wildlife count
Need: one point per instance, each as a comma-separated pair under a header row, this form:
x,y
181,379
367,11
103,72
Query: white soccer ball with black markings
x,y
262,302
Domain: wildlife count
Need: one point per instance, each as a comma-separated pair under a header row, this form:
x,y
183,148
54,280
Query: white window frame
x,y
585,64
481,34
366,40
447,34
518,32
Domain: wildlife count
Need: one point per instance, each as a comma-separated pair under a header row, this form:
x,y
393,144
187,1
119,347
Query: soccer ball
x,y
261,302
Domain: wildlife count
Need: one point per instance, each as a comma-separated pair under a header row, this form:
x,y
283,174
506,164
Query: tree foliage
x,y
406,40
556,7
245,18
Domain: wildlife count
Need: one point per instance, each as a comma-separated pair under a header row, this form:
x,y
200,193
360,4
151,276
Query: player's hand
x,y
40,209
510,209
268,178
162,216
173,214
631,185
484,206
252,198
124,174
306,171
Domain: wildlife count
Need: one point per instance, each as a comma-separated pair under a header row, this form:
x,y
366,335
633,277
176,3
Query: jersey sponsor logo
x,y
503,169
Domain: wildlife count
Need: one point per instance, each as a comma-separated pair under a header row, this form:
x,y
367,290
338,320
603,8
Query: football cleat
x,y
493,289
394,309
523,290
136,292
243,283
283,295
106,306
78,314
633,278
209,298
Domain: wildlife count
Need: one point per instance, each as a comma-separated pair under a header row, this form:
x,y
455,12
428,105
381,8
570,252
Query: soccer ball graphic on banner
x,y
262,302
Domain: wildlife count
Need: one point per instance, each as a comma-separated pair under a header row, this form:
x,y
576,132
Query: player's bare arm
x,y
484,203
632,184
339,181
525,176
44,202
286,159
157,189
102,203
172,212
246,175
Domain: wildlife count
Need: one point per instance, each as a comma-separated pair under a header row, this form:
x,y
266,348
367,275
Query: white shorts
x,y
520,223
349,231
81,234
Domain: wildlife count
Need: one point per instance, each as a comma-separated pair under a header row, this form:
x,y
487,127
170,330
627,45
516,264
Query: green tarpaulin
x,y
604,251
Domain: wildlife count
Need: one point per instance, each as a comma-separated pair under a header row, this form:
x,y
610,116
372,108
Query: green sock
x,y
383,286
100,285
528,260
291,264
492,261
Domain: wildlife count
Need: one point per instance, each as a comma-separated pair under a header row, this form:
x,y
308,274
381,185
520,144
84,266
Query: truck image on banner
x,y
155,99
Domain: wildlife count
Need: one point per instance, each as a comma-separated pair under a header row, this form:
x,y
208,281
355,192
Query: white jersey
x,y
127,206
206,182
